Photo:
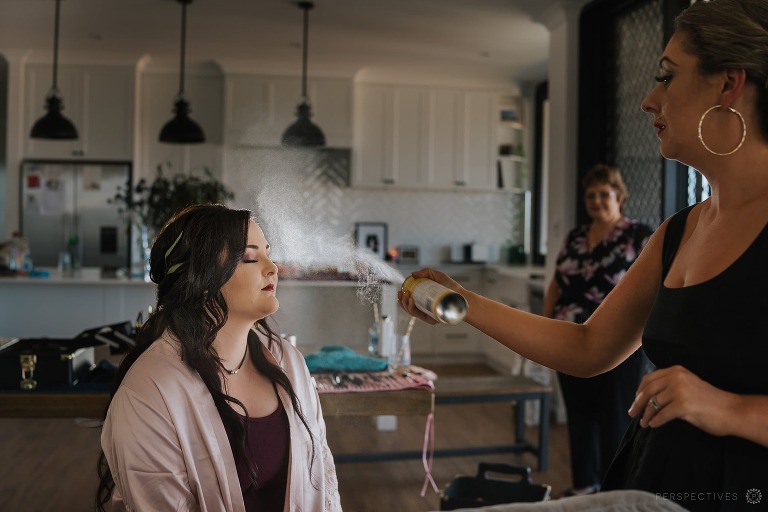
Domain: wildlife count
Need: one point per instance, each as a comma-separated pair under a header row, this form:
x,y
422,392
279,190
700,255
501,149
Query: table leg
x,y
544,431
520,420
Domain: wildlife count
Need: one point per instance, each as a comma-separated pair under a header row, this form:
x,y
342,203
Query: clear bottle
x,y
441,303
404,350
73,248
14,253
373,339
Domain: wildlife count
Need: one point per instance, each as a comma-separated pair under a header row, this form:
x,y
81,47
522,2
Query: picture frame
x,y
372,236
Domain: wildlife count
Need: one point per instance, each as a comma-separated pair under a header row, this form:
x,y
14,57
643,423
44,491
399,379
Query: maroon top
x,y
268,450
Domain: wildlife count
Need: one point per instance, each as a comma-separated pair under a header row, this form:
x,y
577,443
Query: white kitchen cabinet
x,y
204,92
507,289
477,144
446,167
258,109
390,139
510,286
425,138
99,100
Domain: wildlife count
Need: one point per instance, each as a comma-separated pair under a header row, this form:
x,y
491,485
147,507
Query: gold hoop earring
x,y
743,131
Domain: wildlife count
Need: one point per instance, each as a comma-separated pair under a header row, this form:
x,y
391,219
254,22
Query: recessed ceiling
x,y
498,37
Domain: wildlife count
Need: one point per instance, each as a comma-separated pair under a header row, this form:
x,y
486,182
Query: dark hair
x,y
209,243
603,174
730,34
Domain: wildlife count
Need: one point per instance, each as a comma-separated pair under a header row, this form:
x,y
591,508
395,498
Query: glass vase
x,y
141,263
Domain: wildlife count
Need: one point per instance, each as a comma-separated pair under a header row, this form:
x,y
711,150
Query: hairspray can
x,y
441,303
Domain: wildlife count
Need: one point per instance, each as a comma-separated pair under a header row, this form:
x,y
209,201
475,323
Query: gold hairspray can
x,y
441,303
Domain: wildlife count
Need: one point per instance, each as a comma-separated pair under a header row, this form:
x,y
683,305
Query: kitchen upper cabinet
x,y
372,143
426,138
157,95
99,100
461,143
391,139
479,142
258,109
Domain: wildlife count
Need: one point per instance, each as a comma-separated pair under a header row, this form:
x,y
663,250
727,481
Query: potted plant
x,y
150,204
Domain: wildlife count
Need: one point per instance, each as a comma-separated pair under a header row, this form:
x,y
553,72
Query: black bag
x,y
55,362
482,490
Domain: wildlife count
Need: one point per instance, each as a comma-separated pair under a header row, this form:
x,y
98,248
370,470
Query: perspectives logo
x,y
753,496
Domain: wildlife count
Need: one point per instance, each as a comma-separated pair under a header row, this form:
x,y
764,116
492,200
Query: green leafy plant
x,y
154,203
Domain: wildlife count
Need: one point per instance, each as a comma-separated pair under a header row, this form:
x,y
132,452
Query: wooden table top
x,y
453,381
406,402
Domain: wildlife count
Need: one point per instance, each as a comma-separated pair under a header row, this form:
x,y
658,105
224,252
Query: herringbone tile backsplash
x,y
302,198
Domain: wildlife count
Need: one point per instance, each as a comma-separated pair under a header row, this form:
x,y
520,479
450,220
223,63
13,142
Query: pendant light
x,y
181,129
53,125
303,132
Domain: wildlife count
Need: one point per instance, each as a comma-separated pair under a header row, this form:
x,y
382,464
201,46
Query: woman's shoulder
x,y
159,368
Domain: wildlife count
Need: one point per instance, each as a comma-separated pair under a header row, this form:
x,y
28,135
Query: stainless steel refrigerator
x,y
64,199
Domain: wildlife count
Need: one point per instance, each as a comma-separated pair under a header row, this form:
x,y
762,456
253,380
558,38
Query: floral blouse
x,y
585,277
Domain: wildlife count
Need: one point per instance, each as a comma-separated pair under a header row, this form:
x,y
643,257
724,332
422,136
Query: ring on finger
x,y
653,403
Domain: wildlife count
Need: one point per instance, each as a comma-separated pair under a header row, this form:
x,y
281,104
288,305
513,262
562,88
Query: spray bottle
x,y
441,303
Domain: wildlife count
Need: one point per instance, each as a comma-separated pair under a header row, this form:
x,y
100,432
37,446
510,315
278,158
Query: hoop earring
x,y
743,131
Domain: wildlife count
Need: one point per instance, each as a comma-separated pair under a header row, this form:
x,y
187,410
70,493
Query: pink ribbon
x,y
429,440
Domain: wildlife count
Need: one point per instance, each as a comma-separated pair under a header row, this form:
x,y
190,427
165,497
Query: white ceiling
x,y
494,37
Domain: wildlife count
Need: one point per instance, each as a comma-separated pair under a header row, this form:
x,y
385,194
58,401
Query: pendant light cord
x,y
307,6
54,87
183,45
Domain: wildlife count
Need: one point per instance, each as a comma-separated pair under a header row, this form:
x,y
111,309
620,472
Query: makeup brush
x,y
410,326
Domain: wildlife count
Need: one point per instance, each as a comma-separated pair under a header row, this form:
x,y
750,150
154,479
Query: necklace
x,y
232,372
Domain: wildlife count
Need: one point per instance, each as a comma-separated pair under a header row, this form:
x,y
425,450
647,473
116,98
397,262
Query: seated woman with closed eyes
x,y
212,410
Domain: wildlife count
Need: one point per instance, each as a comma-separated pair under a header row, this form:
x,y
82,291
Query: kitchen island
x,y
317,312
62,307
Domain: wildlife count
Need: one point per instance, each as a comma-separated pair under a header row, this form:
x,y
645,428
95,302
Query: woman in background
x,y
593,259
696,296
212,410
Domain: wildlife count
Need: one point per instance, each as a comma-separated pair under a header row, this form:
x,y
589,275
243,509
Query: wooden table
x,y
91,405
459,389
452,388
500,388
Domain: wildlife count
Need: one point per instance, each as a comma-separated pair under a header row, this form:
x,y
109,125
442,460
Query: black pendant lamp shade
x,y
181,129
53,125
303,132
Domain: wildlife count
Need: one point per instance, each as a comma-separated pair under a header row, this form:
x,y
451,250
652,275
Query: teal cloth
x,y
338,358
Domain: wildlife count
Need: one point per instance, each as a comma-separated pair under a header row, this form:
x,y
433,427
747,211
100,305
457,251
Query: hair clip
x,y
175,267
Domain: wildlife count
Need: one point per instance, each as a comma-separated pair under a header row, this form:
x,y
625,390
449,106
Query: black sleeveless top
x,y
718,330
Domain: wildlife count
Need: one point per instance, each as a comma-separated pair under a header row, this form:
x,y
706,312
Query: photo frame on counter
x,y
372,236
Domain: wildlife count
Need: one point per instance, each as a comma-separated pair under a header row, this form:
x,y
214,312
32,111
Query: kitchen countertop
x,y
92,277
529,272
87,277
